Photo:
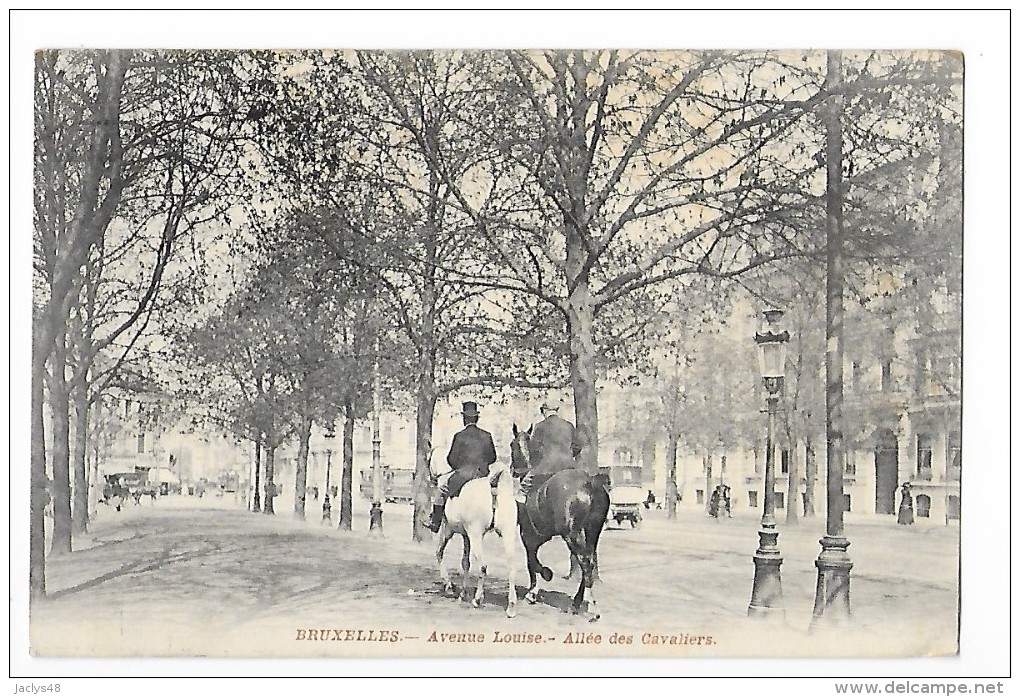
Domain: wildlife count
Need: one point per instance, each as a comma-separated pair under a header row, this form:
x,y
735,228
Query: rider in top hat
x,y
471,453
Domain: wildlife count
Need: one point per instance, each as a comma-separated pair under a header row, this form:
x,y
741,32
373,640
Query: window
x,y
846,503
887,383
700,496
780,500
849,462
141,442
784,462
923,506
752,499
850,373
924,441
954,456
953,510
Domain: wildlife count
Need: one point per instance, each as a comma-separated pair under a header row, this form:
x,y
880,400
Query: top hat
x,y
469,409
549,406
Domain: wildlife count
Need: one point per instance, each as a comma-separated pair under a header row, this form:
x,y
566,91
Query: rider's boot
x,y
437,517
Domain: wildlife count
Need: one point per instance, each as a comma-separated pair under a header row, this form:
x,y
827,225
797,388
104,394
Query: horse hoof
x,y
511,612
531,598
594,618
547,574
476,603
448,590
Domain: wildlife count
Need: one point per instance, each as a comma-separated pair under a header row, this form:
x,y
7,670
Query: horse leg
x,y
465,565
532,561
445,534
511,596
478,562
588,556
587,586
576,541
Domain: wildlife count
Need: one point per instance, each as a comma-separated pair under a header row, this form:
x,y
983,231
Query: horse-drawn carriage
x,y
626,493
398,484
120,486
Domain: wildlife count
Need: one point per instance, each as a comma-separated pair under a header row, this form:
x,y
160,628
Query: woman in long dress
x,y
906,512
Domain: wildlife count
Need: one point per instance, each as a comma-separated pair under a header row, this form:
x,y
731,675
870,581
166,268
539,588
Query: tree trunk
x,y
580,321
810,475
80,507
347,471
257,505
301,471
792,486
423,488
61,455
708,481
671,488
270,480
38,500
95,488
270,485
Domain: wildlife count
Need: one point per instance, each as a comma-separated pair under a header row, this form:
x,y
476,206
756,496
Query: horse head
x,y
520,449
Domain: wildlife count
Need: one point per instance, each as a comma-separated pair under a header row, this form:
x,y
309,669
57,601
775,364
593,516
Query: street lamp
x,y
767,593
327,511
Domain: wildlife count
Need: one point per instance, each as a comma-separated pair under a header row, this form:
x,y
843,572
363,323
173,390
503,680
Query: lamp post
x,y
327,508
767,593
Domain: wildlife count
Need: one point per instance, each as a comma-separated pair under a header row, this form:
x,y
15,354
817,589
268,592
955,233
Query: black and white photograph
x,y
541,350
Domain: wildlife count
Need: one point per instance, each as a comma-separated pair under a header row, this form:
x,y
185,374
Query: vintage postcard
x,y
517,353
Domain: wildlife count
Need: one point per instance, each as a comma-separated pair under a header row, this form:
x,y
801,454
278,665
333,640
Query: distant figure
x,y
906,512
720,505
649,500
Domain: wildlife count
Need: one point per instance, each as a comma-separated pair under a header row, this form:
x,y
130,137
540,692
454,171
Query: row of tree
x,y
509,219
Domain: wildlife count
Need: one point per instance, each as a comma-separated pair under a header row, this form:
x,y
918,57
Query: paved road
x,y
190,577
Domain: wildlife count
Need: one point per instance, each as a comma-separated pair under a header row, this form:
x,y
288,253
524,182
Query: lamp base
x,y
767,592
375,518
832,593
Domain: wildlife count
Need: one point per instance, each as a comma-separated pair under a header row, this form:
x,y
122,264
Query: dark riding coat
x,y
553,435
472,451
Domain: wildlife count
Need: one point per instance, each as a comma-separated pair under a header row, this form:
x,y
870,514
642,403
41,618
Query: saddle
x,y
461,477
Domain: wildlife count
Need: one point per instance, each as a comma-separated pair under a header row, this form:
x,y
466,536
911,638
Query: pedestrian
x,y
906,512
649,500
471,453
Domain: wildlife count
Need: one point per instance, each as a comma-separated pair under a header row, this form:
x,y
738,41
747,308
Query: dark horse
x,y
564,501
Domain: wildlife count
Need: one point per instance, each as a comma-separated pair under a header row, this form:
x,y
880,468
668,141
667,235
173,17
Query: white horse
x,y
482,505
